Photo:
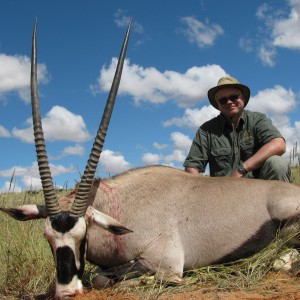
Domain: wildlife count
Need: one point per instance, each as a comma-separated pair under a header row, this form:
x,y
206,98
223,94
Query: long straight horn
x,y
40,146
80,203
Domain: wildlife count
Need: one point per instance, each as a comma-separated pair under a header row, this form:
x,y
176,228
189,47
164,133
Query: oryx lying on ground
x,y
174,221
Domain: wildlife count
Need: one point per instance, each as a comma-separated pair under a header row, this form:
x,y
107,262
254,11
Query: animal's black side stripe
x,y
261,239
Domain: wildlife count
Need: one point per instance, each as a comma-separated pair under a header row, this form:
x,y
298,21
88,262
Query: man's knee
x,y
276,168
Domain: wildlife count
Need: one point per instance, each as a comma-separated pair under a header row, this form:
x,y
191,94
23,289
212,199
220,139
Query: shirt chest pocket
x,y
220,161
247,148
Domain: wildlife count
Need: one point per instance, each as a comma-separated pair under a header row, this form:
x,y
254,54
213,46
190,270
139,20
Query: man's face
x,y
230,101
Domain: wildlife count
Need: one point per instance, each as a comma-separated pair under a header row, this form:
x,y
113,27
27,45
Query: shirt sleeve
x,y
265,130
198,154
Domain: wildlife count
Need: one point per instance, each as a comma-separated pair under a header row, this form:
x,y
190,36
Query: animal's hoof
x,y
100,282
287,262
175,281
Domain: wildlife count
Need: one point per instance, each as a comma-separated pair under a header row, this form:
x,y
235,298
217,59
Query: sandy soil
x,y
275,286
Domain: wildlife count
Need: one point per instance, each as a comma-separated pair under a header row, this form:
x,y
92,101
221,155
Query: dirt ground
x,y
275,286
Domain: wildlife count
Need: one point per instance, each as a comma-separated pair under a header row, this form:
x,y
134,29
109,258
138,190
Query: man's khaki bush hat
x,y
227,82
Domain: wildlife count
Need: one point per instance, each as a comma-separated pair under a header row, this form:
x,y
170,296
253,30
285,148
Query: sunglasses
x,y
232,98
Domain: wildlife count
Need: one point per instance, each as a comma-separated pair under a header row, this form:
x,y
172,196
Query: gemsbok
x,y
160,218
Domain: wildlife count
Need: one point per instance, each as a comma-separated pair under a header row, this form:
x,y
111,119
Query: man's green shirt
x,y
223,147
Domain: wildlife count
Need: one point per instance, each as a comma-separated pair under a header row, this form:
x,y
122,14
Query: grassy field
x,y
27,267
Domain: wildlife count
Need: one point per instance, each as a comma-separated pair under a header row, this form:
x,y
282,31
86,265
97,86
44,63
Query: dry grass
x,y
296,175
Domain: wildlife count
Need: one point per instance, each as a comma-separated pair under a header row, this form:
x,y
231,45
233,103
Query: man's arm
x,y
196,160
193,171
274,147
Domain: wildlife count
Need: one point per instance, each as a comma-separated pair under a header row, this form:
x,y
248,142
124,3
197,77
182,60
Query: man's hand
x,y
236,174
193,171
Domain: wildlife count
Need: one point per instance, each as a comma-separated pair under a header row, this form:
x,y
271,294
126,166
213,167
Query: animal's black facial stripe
x,y
66,267
82,261
63,222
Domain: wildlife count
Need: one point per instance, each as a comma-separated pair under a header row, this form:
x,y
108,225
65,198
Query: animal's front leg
x,y
108,277
166,259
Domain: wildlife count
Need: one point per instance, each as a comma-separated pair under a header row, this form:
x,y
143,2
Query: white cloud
x,y
181,142
203,34
74,150
276,103
32,183
160,146
273,101
20,171
177,156
30,177
280,29
151,85
193,118
15,75
286,30
70,150
113,163
291,133
4,132
246,43
180,147
151,158
11,187
57,170
267,55
59,125
261,11
122,20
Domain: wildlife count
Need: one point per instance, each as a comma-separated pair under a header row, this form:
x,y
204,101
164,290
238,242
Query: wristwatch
x,y
241,169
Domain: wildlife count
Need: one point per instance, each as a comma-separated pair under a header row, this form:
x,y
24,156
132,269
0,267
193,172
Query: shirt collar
x,y
226,122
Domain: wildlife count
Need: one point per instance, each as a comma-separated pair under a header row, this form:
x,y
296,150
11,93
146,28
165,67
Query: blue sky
x,y
177,51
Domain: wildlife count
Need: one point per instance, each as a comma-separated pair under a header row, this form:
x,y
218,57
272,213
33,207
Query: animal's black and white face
x,y
66,235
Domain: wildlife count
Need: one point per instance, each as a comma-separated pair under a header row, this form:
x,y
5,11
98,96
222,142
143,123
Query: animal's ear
x,y
26,212
94,216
